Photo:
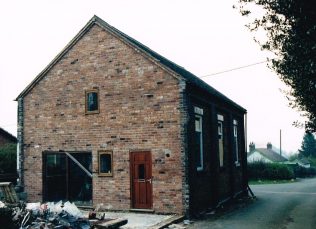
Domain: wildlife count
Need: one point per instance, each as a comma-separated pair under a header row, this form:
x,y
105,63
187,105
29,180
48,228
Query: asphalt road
x,y
278,206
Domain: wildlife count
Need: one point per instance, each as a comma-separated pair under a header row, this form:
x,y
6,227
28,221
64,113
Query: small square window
x,y
92,101
105,163
220,129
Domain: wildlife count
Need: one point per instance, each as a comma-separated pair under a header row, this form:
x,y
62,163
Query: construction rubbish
x,y
2,205
57,216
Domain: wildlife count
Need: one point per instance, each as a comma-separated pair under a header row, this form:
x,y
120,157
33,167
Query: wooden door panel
x,y
141,175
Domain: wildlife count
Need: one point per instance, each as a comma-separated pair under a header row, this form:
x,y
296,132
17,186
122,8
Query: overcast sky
x,y
205,37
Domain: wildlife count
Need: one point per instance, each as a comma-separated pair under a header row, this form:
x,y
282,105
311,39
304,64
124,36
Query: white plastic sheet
x,y
2,205
72,210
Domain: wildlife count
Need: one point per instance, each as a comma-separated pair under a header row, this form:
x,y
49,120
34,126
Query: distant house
x,y
111,122
267,155
6,137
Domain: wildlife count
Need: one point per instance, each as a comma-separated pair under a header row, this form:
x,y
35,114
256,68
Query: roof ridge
x,y
156,55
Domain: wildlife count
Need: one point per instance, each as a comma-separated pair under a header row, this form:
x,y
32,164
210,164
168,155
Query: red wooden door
x,y
141,178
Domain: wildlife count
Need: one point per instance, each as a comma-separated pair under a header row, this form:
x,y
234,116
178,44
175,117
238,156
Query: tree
x,y
290,27
308,148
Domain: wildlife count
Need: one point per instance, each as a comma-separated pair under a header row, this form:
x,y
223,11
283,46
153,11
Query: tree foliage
x,y
308,148
290,26
8,158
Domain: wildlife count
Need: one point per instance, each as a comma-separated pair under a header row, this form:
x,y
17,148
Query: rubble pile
x,y
48,216
53,216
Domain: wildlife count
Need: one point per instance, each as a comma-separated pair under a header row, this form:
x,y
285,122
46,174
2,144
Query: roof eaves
x,y
12,137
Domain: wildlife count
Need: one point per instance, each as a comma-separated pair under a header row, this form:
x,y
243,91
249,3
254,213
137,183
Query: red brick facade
x,y
139,110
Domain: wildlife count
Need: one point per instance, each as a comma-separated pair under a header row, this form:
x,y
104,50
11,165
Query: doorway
x,y
65,177
141,180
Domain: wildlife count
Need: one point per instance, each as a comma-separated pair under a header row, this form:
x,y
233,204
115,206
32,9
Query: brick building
x,y
111,122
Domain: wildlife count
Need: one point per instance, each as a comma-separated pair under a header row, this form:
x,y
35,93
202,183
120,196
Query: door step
x,y
141,210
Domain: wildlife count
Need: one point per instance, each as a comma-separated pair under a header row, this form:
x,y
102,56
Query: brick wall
x,y
139,110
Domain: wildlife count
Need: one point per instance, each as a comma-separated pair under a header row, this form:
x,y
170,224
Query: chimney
x,y
269,145
252,147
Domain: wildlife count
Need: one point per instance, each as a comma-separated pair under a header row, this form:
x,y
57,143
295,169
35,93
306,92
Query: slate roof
x,y
188,76
270,154
7,135
304,161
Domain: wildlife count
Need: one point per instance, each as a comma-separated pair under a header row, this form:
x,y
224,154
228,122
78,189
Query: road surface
x,y
279,206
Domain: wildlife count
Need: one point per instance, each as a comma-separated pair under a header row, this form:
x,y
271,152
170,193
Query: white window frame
x,y
235,130
199,115
200,130
220,130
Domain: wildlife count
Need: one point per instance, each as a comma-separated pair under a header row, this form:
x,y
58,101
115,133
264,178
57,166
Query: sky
x,y
205,37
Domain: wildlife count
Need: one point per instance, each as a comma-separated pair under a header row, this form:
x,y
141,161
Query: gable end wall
x,y
140,109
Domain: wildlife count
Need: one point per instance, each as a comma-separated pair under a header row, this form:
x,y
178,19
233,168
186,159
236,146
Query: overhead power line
x,y
234,69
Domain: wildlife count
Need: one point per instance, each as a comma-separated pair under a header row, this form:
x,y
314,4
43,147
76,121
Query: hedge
x,y
269,171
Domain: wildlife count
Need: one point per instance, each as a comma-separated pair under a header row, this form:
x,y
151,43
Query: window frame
x,y
220,134
199,114
236,142
105,152
86,101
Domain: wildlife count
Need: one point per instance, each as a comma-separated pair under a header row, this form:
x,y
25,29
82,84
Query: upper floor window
x,y
220,130
236,142
92,101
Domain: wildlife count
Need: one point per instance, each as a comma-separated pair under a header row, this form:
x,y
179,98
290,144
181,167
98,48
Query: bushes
x,y
272,171
304,172
269,171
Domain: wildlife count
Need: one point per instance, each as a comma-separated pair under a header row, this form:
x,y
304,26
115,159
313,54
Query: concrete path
x,y
279,206
138,220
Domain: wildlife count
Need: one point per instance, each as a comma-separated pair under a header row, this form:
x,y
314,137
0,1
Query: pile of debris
x,y
15,214
47,216
55,216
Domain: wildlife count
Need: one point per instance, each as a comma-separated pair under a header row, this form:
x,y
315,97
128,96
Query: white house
x,y
267,155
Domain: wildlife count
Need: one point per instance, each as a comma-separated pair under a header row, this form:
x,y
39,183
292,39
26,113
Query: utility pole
x,y
280,142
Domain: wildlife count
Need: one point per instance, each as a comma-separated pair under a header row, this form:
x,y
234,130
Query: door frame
x,y
132,182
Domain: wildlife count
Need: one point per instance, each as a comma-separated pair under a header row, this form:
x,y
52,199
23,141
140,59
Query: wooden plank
x,y
112,224
166,223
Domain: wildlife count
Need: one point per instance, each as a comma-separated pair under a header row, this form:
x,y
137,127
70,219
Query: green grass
x,y
258,182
